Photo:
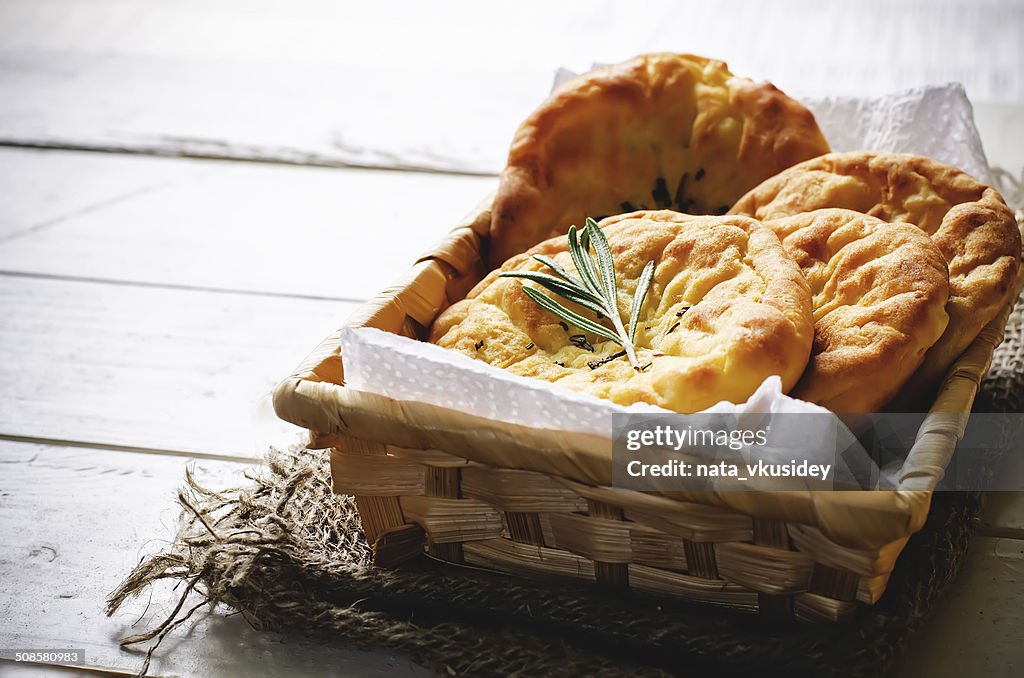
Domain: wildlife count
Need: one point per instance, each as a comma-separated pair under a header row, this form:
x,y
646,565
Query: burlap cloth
x,y
289,555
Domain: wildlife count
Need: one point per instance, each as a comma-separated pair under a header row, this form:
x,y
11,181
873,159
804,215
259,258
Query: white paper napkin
x,y
936,120
401,368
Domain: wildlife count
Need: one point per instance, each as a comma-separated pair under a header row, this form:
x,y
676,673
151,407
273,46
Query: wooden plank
x,y
428,85
305,84
1003,515
238,226
23,670
1003,512
74,522
153,368
975,628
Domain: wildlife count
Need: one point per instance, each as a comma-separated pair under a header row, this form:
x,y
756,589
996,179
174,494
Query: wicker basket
x,y
538,503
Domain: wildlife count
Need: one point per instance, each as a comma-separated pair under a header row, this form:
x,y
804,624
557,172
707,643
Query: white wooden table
x,y
193,194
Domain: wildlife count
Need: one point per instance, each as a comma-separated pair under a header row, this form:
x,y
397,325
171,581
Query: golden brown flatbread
x,y
878,293
727,308
659,131
967,220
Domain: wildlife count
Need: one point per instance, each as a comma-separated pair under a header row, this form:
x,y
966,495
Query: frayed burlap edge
x,y
288,555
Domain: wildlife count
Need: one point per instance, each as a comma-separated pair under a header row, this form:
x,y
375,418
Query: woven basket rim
x,y
314,397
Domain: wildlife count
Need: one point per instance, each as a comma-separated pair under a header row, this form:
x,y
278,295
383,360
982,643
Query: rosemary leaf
x,y
557,268
606,266
549,304
554,284
594,364
580,252
605,262
564,289
642,287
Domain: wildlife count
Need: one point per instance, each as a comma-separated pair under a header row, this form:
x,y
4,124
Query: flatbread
x,y
727,308
967,220
878,294
659,131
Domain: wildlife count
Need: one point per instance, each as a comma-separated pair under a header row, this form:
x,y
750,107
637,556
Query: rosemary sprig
x,y
595,289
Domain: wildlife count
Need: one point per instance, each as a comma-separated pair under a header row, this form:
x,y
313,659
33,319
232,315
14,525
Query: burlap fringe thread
x,y
289,555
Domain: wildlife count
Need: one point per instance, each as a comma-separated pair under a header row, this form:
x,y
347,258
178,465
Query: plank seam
x,y
246,154
175,286
87,209
115,447
79,668
1000,532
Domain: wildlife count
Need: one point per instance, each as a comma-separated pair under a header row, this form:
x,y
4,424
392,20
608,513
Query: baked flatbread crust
x,y
659,131
727,308
967,220
878,294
